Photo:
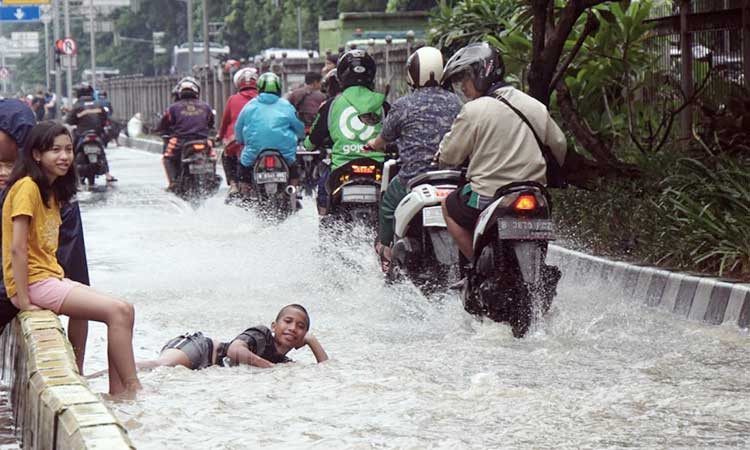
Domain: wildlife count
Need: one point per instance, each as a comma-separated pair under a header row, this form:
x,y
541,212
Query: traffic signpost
x,y
19,13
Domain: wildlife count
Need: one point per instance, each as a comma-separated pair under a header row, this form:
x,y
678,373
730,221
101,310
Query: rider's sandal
x,y
385,263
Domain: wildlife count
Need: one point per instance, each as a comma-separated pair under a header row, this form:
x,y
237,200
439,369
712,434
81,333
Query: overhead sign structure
x,y
25,2
19,13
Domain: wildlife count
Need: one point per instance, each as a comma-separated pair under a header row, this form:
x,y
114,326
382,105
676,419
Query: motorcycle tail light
x,y
442,193
269,162
525,203
363,169
199,147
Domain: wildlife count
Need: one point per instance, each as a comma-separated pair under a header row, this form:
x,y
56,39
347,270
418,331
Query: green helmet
x,y
269,82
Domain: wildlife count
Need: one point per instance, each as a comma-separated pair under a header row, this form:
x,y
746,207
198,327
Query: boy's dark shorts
x,y
198,348
245,174
465,205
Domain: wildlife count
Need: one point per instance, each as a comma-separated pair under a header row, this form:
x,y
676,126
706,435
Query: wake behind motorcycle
x,y
272,191
508,280
423,250
196,176
353,193
89,159
308,162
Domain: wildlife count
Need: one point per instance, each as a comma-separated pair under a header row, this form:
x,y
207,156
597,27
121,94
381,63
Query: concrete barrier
x,y
693,297
54,408
142,143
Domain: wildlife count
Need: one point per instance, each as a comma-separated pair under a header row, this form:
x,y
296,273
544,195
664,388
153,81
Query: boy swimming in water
x,y
257,346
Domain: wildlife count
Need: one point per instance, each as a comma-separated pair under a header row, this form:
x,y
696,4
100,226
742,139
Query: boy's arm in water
x,y
239,353
19,253
315,346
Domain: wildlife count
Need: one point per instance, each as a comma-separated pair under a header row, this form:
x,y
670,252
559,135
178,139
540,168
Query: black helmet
x,y
330,84
84,90
483,62
356,68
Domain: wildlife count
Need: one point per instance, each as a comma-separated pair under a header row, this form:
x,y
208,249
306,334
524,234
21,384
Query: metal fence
x,y
150,96
703,43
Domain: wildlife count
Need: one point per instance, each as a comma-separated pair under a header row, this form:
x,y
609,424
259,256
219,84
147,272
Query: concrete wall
x,y
52,404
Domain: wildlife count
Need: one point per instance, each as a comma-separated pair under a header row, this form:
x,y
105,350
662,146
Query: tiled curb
x,y
693,297
53,406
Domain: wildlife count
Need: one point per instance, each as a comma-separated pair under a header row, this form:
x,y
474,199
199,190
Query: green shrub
x,y
707,204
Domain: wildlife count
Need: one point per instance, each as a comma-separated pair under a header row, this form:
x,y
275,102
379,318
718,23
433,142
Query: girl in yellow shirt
x,y
42,179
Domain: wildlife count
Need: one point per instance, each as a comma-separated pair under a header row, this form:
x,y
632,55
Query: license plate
x,y
307,158
270,177
91,149
526,229
93,158
359,194
432,216
200,168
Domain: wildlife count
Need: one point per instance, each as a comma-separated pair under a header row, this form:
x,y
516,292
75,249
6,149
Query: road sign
x,y
19,13
68,61
68,46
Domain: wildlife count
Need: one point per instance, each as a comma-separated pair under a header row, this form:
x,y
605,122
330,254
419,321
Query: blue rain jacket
x,y
268,121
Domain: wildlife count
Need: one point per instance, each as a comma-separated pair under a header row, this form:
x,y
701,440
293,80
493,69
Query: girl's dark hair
x,y
42,138
296,306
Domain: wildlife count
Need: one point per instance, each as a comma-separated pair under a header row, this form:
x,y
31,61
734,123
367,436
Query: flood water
x,y
406,372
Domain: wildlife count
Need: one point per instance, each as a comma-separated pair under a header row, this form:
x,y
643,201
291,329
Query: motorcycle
x,y
508,280
89,159
422,248
274,195
353,193
308,163
196,176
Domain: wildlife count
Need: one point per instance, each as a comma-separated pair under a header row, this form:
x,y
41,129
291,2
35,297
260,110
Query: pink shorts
x,y
49,293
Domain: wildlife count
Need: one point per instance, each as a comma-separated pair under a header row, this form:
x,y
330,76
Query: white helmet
x,y
245,78
424,67
189,84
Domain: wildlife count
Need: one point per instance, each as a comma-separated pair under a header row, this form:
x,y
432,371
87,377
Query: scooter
x,y
89,159
272,191
422,248
353,193
508,279
196,177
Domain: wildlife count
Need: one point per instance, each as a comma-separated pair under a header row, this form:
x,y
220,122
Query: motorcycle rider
x,y
267,122
89,115
245,81
187,119
341,122
307,99
319,133
417,123
498,144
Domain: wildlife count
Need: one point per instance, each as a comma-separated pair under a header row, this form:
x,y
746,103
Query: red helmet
x,y
231,64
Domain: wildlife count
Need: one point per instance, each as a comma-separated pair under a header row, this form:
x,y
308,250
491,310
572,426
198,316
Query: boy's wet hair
x,y
296,306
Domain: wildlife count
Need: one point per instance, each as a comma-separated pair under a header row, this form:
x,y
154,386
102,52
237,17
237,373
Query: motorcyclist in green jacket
x,y
344,120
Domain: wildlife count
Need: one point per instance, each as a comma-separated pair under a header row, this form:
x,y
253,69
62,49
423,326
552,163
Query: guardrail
x,y
54,408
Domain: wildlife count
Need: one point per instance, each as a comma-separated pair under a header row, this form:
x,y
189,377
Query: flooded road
x,y
405,371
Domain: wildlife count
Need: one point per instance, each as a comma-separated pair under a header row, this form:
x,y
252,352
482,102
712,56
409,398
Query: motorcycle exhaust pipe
x,y
291,190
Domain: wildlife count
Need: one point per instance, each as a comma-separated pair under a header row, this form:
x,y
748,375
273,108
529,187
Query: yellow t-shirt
x,y
24,199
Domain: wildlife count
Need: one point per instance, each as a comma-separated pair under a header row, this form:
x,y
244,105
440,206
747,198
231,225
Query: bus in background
x,y
181,56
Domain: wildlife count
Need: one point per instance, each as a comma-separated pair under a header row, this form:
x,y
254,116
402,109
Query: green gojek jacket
x,y
348,133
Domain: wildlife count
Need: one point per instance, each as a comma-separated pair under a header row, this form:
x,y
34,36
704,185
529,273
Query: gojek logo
x,y
352,127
